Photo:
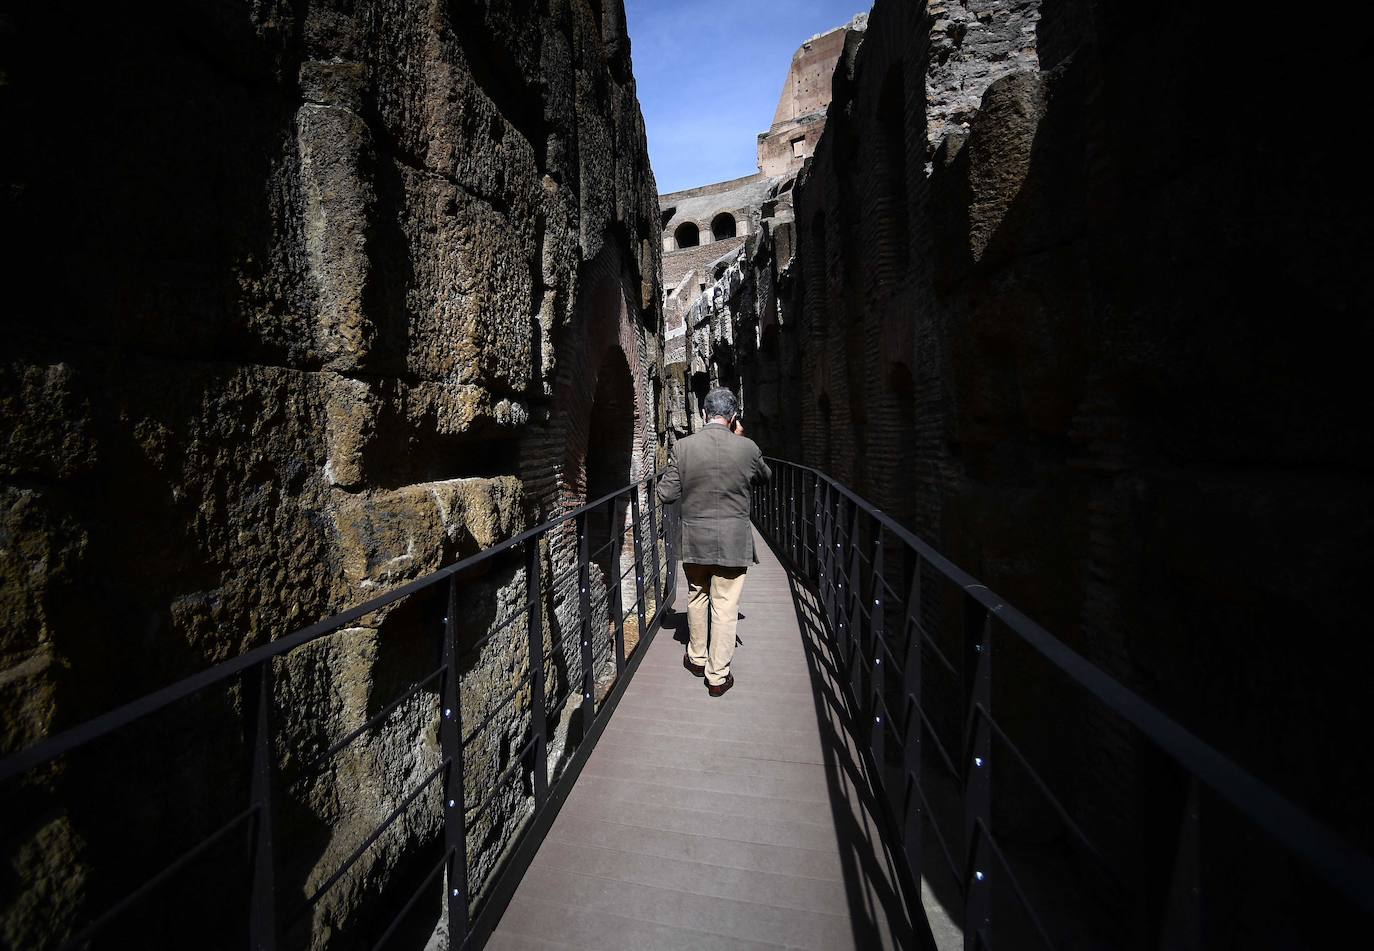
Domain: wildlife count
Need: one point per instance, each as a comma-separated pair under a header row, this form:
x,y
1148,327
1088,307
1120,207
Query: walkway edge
x,y
532,837
911,889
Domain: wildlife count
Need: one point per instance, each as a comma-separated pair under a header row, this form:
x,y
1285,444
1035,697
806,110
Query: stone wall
x,y
298,290
1067,303
678,264
799,118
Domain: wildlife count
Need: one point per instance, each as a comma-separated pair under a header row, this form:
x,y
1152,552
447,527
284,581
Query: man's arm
x,y
761,471
670,486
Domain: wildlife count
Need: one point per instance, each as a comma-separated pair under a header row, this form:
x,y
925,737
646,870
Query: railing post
x,y
1183,913
763,505
771,488
913,826
771,491
613,583
854,591
263,897
780,508
651,496
816,553
451,745
584,610
535,625
670,550
876,633
637,538
977,676
826,558
791,475
837,580
766,502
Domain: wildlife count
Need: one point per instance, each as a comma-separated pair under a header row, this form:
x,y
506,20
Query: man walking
x,y
711,472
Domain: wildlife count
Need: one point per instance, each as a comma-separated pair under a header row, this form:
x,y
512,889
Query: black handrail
x,y
469,922
818,524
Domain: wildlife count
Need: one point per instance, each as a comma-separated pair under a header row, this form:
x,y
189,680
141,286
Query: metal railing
x,y
471,909
876,582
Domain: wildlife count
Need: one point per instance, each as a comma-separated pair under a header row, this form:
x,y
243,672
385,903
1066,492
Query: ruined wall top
x,y
800,117
695,216
807,87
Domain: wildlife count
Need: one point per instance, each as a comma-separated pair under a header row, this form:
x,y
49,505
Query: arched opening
x,y
701,385
610,449
687,235
768,342
723,226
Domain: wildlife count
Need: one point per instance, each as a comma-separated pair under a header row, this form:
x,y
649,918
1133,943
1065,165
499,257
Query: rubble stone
x,y
300,291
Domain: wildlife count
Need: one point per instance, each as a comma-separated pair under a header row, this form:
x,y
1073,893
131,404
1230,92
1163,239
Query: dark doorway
x,y
610,447
687,235
701,385
723,226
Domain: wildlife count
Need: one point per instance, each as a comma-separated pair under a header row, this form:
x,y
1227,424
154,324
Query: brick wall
x,y
1043,309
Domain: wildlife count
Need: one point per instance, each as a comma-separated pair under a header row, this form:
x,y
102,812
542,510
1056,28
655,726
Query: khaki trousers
x,y
718,588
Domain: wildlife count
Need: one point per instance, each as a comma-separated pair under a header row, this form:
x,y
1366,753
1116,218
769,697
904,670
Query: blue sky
x,y
709,73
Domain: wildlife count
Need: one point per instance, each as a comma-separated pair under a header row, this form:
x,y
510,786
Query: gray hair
x,y
720,402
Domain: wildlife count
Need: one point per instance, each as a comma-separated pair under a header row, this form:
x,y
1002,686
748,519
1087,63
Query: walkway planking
x,y
733,822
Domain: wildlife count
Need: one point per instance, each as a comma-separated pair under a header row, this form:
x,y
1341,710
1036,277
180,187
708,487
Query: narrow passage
x,y
735,822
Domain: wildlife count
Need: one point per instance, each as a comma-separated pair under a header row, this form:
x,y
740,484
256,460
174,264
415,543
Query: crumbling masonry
x,y
1060,297
310,300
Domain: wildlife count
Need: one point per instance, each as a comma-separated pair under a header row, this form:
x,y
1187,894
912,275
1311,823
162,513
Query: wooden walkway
x,y
733,822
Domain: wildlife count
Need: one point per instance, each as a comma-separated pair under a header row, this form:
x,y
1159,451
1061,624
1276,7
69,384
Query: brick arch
x,y
603,339
686,234
608,459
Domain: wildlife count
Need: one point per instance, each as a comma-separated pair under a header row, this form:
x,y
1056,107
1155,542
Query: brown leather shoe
x,y
716,690
697,669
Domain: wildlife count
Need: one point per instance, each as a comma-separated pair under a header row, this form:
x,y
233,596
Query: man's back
x,y
711,472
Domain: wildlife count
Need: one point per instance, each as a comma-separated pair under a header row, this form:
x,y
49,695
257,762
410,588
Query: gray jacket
x,y
711,472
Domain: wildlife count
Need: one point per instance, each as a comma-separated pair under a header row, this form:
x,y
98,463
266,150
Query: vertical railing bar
x,y
792,512
854,590
613,580
875,636
779,532
651,497
670,551
263,897
977,767
830,546
775,529
912,754
814,555
451,743
1183,925
584,611
768,508
535,624
639,558
770,493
